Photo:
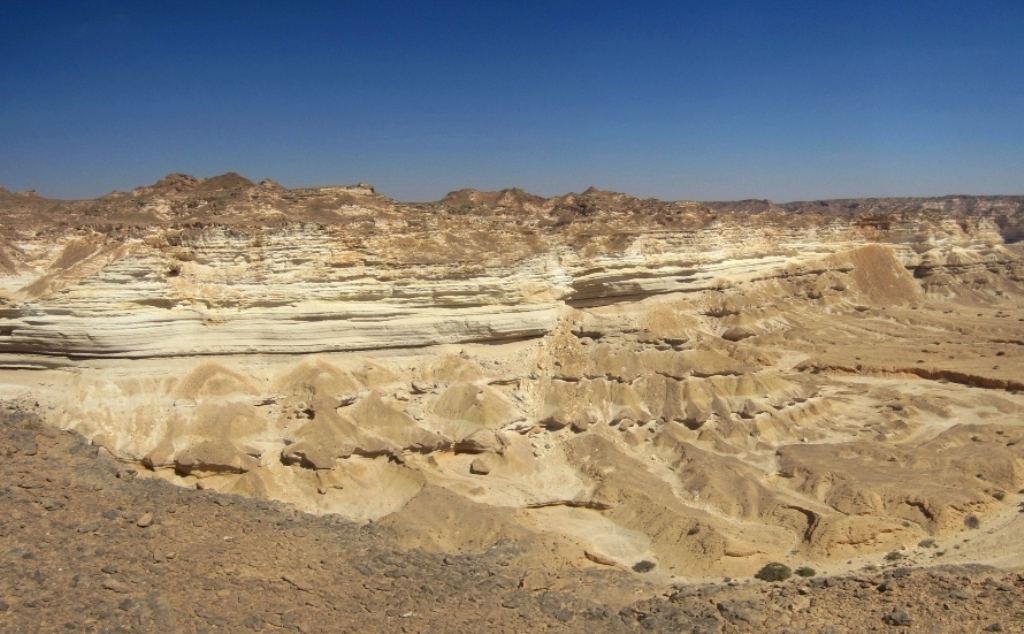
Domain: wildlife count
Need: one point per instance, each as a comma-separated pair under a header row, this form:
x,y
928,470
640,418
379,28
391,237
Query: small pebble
x,y
898,618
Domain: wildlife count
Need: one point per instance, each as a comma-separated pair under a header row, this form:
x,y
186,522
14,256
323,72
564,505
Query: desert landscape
x,y
232,406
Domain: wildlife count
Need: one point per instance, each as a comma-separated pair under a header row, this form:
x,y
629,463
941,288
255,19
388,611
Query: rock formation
x,y
606,380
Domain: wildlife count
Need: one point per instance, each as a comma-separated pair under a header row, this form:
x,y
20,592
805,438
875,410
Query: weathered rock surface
x,y
706,388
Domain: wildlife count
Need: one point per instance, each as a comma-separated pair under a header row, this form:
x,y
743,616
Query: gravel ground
x,y
87,546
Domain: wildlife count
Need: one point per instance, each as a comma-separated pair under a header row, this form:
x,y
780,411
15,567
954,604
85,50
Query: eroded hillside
x,y
604,380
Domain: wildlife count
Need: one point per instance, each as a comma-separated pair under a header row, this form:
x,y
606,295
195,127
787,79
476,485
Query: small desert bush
x,y
804,571
774,572
644,566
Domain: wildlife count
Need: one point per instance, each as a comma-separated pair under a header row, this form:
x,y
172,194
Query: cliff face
x,y
705,386
189,267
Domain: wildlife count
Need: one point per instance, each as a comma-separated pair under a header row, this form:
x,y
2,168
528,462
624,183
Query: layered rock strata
x,y
604,379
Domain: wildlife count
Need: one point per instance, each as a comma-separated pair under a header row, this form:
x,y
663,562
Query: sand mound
x,y
880,279
212,379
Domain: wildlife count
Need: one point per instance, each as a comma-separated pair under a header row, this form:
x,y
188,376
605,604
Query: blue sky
x,y
785,100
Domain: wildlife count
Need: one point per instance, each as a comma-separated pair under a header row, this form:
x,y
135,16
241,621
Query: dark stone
x,y
53,504
899,618
363,569
684,593
702,626
744,611
515,600
596,614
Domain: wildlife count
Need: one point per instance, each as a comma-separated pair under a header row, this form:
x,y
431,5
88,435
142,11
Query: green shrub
x,y
805,571
644,566
774,572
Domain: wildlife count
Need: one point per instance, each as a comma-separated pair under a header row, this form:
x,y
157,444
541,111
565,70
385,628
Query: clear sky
x,y
788,100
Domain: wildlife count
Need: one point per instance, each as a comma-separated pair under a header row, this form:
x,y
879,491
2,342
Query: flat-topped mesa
x,y
192,266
